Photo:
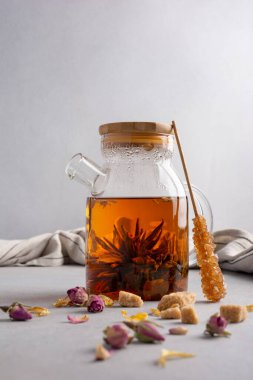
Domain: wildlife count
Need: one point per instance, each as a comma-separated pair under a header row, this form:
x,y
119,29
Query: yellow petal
x,y
154,311
107,300
249,308
141,316
39,311
62,302
168,354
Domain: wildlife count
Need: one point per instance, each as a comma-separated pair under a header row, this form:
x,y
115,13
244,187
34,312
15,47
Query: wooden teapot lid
x,y
136,127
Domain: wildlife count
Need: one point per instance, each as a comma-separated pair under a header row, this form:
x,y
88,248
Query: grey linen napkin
x,y
59,248
233,247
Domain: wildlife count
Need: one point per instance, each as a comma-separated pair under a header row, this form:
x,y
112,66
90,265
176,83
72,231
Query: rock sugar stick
x,y
212,281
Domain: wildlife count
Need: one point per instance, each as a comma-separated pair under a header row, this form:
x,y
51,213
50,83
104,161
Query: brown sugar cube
x,y
189,315
180,298
234,313
172,313
129,299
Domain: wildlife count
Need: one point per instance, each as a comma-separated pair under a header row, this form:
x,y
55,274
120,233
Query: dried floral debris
x,y
141,316
77,320
38,311
102,353
169,354
108,302
216,326
155,312
117,336
95,304
20,312
63,302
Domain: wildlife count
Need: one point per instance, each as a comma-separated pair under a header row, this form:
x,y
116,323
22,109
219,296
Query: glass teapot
x,y
137,215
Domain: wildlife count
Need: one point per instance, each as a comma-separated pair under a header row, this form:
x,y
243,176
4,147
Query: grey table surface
x,y
51,348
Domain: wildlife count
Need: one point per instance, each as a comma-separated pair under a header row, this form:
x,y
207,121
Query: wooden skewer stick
x,y
174,128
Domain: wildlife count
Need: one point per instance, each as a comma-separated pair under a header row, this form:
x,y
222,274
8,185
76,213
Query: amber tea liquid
x,y
139,245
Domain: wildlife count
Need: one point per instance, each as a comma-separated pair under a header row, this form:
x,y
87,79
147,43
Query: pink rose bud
x,y
95,304
117,336
146,332
216,326
19,313
78,295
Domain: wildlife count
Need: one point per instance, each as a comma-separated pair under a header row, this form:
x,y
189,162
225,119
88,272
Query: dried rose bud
x,y
95,304
19,313
78,295
146,332
216,326
117,336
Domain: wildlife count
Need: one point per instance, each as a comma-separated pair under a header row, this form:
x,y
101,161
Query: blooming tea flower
x,y
216,325
78,295
18,313
95,304
117,336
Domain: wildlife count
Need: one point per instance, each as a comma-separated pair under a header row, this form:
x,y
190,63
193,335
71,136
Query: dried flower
x,y
78,295
62,302
156,312
38,311
142,316
146,332
102,353
95,304
107,300
216,326
168,354
117,336
75,320
19,313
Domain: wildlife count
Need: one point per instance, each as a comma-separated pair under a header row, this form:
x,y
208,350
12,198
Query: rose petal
x,y
76,320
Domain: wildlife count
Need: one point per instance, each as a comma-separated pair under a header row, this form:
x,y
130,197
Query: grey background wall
x,y
68,66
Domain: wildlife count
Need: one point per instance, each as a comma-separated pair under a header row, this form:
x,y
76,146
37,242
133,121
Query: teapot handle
x,y
204,208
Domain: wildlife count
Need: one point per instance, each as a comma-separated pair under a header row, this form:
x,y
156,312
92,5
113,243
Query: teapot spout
x,y
87,172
